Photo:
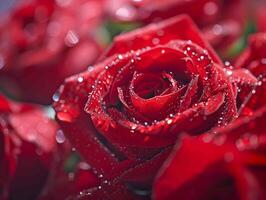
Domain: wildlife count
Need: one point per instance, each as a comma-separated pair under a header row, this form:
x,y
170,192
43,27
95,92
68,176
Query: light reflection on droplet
x,y
71,38
80,79
60,137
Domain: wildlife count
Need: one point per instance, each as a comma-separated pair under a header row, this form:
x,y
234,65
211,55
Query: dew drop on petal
x,y
71,38
90,68
169,121
120,57
80,79
229,72
60,137
56,96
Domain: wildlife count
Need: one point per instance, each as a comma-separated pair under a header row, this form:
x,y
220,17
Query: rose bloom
x,y
222,21
228,163
125,113
253,59
27,149
44,41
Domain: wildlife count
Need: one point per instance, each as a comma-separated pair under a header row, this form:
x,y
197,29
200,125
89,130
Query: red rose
x,y
42,42
27,149
124,114
226,163
253,59
222,21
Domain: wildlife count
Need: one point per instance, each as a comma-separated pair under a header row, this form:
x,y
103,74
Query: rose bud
x,y
228,163
44,41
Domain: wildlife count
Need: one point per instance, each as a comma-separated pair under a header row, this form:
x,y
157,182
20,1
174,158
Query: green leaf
x,y
115,28
241,44
70,164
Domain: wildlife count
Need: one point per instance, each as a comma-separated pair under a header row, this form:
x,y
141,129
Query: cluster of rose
x,y
133,100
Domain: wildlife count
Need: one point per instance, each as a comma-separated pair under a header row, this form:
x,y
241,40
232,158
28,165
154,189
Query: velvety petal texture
x,y
128,110
226,163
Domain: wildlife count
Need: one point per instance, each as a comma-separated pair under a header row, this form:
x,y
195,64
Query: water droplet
x,y
120,57
229,72
60,137
71,38
227,63
90,68
56,96
169,121
80,79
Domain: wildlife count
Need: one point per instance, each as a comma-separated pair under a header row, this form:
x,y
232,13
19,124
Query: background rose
x,y
253,97
27,153
43,42
151,84
221,28
226,163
